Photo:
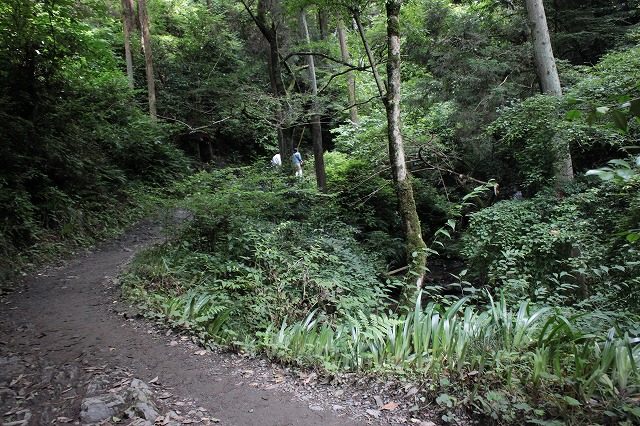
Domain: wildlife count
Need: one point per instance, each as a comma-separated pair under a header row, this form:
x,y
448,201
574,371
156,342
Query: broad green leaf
x,y
625,173
601,173
620,120
571,401
620,163
633,236
573,114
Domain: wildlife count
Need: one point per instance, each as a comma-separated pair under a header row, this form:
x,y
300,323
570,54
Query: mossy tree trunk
x,y
415,245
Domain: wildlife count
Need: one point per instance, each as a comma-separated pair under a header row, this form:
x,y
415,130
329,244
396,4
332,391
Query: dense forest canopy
x,y
434,229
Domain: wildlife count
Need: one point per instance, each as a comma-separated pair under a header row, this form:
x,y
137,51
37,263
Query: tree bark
x,y
316,128
416,247
269,32
351,83
548,75
148,58
323,22
127,23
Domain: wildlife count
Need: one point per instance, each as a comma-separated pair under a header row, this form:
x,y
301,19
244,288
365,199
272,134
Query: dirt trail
x,y
64,329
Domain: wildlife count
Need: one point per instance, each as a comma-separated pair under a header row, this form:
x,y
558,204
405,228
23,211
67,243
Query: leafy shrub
x,y
245,243
559,248
529,133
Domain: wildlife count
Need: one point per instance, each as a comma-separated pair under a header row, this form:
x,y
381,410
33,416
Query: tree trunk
x,y
127,23
367,48
542,50
316,128
416,248
269,32
148,58
548,75
351,83
323,22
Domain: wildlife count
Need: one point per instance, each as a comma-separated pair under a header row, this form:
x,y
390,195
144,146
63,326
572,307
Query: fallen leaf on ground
x,y
390,406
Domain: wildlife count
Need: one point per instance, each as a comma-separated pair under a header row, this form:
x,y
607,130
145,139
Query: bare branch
x,y
352,68
322,55
363,102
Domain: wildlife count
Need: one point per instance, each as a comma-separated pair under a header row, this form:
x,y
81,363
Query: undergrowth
x,y
265,264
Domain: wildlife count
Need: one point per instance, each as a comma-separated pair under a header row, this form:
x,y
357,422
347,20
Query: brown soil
x,y
66,328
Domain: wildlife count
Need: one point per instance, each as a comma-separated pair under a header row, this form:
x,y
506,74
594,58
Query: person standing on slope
x,y
297,162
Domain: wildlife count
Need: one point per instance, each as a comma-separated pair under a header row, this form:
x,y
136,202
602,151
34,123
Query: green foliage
x,y
529,132
486,353
271,248
362,188
532,130
359,176
73,144
560,250
587,31
473,59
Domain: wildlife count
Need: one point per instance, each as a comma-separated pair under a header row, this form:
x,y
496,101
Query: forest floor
x,y
71,350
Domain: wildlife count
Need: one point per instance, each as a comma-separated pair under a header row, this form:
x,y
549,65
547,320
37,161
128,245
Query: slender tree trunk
x,y
127,23
548,75
323,22
367,48
148,58
416,247
269,32
316,128
542,50
351,83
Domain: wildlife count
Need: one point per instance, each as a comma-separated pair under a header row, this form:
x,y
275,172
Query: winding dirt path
x,y
65,326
